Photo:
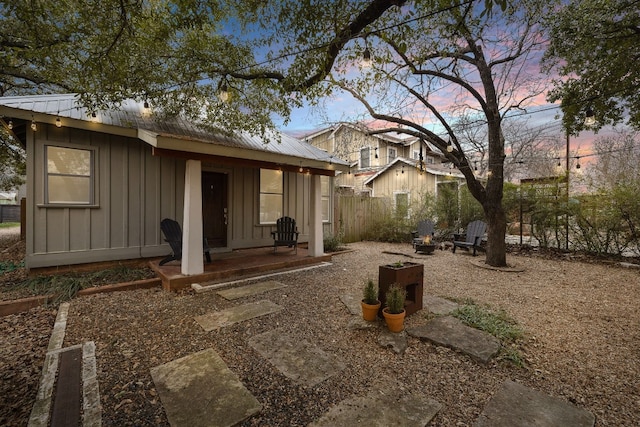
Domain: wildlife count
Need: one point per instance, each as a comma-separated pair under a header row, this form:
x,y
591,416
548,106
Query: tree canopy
x,y
595,49
431,62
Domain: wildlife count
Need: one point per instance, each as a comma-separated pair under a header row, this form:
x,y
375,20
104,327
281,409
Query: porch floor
x,y
236,264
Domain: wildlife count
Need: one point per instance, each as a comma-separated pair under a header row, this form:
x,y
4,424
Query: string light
x,y
223,94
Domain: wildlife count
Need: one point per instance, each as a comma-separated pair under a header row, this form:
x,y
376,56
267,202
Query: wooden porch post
x,y
192,262
316,244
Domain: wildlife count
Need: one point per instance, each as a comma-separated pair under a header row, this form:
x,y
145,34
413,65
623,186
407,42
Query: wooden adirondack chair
x,y
472,238
173,236
285,234
425,228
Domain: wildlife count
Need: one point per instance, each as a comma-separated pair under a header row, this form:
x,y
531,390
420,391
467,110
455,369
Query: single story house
x,y
99,184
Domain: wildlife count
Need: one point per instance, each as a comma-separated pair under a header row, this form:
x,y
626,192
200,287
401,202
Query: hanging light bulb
x,y
590,118
376,153
578,164
366,57
475,165
10,124
402,168
449,147
58,122
146,105
223,94
301,169
34,126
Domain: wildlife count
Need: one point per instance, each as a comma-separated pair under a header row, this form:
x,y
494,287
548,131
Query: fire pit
x,y
425,248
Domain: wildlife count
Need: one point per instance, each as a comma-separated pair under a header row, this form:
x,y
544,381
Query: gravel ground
x,y
581,320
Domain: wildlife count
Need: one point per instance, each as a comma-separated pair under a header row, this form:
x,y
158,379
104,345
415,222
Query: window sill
x,y
67,206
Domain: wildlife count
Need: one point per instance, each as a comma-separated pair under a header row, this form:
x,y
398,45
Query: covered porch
x,y
237,264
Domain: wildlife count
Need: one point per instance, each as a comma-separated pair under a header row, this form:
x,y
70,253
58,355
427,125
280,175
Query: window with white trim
x,y
365,157
392,154
69,175
271,195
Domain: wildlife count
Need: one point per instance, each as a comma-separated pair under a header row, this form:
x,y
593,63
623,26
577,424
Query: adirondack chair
x,y
472,238
173,236
285,234
425,228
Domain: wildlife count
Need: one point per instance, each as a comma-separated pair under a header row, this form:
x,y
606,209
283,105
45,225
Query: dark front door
x,y
214,208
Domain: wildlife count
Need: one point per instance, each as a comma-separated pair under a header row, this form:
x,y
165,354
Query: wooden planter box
x,y
410,277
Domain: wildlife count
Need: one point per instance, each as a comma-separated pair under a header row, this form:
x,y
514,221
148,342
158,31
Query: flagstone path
x,y
200,390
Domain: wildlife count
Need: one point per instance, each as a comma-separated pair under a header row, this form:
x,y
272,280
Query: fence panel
x,y
9,213
354,215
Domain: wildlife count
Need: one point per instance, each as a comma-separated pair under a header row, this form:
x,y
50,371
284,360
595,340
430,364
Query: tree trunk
x,y
496,230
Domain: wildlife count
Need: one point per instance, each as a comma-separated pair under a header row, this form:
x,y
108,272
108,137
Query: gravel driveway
x,y
581,320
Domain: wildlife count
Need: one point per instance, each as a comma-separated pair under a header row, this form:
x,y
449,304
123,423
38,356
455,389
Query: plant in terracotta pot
x,y
370,302
394,312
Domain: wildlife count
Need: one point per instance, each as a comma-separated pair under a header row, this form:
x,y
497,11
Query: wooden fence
x,y
355,215
9,213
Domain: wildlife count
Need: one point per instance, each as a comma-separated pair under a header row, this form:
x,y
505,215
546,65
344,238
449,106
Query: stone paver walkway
x,y
199,390
517,405
219,319
450,332
298,360
379,409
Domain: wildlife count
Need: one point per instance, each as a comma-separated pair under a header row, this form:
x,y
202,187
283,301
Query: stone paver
x,y
397,341
381,408
219,319
452,333
200,390
353,303
440,306
297,359
517,405
248,290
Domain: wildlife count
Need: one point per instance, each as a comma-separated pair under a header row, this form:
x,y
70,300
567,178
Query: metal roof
x,y
133,115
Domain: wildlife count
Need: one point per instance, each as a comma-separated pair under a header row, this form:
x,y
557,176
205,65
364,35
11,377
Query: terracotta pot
x,y
370,311
395,322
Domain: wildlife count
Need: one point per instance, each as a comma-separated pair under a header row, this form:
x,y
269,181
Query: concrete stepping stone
x,y
199,390
381,409
353,303
517,405
248,290
219,319
440,306
450,332
297,359
397,341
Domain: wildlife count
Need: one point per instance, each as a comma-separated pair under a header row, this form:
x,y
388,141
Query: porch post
x,y
192,262
316,244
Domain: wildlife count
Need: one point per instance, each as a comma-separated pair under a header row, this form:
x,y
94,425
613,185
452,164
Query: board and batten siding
x,y
133,191
411,181
244,190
